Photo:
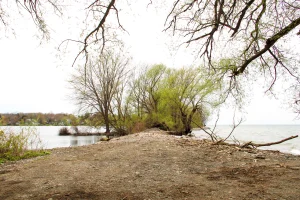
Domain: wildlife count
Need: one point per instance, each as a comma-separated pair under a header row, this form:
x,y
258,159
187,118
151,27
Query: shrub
x,y
16,146
64,131
138,127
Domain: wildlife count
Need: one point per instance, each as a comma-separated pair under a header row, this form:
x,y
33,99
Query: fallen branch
x,y
254,145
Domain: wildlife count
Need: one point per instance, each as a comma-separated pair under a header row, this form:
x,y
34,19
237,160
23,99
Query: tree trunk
x,y
106,115
187,125
107,127
106,121
187,121
188,129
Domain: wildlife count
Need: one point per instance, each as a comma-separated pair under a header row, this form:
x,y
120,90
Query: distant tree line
x,y
44,119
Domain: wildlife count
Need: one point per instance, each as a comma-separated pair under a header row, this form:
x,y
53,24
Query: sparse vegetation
x,y
64,131
22,145
100,89
75,129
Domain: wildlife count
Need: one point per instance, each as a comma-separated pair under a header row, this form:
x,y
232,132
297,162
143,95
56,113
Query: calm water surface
x,y
50,138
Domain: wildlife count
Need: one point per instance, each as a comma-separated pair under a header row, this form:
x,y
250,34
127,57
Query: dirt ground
x,y
153,165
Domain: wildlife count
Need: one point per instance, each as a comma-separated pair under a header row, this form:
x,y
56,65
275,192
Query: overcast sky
x,y
33,76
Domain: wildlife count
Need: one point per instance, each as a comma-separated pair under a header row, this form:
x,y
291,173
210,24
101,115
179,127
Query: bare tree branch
x,y
255,145
269,43
252,28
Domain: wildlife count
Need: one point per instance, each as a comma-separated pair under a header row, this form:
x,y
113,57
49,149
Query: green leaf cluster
x,y
174,99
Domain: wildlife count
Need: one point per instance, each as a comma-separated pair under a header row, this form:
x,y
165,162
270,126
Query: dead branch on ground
x,y
255,145
250,145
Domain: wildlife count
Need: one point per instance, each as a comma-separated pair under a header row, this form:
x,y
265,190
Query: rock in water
x,y
104,138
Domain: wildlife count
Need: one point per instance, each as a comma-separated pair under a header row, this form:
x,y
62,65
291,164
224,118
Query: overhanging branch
x,y
269,43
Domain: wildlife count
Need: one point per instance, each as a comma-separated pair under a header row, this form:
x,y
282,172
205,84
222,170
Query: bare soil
x,y
153,165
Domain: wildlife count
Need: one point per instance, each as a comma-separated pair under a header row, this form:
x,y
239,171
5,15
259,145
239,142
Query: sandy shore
x,y
153,165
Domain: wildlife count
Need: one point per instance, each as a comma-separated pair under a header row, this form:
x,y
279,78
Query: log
x,y
254,145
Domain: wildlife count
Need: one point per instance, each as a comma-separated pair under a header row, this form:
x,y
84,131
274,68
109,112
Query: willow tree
x,y
99,87
144,90
187,93
174,99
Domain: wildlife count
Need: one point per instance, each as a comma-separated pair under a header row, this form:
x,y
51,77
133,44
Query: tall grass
x,y
16,146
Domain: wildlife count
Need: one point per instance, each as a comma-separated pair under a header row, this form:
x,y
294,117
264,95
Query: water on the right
x,y
260,134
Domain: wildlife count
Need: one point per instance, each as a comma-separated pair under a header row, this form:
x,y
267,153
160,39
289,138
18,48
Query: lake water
x,y
244,133
50,138
262,134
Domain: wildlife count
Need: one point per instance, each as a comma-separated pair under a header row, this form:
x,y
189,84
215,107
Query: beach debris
x,y
260,157
255,145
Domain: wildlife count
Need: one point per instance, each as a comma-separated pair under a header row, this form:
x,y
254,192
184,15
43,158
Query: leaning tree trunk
x,y
187,121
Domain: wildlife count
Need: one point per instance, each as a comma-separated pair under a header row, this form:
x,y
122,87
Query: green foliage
x,y
174,99
19,146
227,64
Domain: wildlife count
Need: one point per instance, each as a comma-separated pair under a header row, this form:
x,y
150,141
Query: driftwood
x,y
254,145
251,145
